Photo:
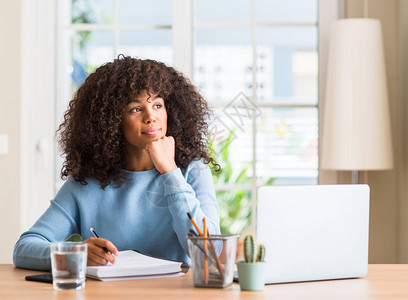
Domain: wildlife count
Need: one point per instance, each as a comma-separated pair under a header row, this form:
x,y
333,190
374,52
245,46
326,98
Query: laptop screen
x,y
314,232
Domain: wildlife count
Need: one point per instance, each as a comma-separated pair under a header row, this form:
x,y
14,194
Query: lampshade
x,y
356,128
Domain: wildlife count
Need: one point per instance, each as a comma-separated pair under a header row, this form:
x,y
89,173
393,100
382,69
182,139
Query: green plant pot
x,y
251,276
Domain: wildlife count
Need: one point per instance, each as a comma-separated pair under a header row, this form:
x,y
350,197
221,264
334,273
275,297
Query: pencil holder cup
x,y
213,259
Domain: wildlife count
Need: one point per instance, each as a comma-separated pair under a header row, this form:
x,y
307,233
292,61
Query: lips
x,y
151,131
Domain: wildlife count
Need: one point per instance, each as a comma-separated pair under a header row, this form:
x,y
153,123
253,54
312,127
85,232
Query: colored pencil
x,y
214,254
195,224
212,248
205,256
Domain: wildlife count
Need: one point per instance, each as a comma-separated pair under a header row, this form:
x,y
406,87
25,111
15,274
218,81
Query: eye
x,y
135,109
158,106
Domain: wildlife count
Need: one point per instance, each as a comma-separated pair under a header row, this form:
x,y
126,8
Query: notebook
x,y
133,265
314,232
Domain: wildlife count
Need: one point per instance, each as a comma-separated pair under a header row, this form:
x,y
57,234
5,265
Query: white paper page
x,y
132,263
179,274
132,258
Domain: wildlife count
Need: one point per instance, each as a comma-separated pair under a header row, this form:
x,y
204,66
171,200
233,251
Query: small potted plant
x,y
251,272
76,238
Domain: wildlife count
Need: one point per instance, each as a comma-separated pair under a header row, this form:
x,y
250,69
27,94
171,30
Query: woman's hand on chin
x,y
161,153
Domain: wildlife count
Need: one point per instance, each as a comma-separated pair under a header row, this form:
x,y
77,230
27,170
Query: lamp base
x,y
355,177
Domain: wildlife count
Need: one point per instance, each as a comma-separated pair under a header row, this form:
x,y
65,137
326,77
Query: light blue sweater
x,y
147,213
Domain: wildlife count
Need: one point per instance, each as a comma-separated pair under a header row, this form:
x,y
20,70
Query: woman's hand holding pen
x,y
161,153
100,251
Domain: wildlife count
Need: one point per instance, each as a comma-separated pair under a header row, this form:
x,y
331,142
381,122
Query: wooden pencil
x,y
195,224
215,255
212,248
205,255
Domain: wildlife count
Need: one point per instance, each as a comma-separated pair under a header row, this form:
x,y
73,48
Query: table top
x,y
382,282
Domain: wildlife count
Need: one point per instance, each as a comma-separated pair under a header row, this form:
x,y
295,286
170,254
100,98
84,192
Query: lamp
x,y
356,128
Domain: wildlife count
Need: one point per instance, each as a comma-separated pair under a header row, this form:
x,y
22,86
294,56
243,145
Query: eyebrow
x,y
148,99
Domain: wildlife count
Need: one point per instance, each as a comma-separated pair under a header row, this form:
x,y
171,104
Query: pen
x,y
97,236
94,232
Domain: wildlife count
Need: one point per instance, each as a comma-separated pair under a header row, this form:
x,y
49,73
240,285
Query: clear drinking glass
x,y
213,259
68,262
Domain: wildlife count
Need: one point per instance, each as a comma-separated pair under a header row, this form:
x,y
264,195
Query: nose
x,y
149,116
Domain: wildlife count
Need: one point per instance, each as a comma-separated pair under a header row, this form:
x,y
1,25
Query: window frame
x,y
41,54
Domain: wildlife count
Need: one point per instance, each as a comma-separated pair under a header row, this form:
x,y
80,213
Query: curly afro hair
x,y
91,136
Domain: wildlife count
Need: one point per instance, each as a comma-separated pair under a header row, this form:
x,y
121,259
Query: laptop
x,y
315,232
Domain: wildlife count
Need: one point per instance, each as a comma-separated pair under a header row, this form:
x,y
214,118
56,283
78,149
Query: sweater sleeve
x,y
32,250
194,193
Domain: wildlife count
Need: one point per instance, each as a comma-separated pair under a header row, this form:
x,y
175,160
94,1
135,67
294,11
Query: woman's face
x,y
144,120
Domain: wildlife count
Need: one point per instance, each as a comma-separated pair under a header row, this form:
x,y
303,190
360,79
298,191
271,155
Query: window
x,y
255,61
91,33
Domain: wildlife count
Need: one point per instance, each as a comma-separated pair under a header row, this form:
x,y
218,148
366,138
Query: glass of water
x,y
68,262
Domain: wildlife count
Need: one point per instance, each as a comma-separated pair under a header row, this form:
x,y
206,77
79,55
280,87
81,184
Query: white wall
x,y
10,109
37,103
389,189
403,127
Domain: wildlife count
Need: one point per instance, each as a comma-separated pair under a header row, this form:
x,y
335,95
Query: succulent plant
x,y
260,256
74,238
249,250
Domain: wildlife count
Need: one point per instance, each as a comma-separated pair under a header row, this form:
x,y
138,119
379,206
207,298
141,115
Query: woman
x,y
136,159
